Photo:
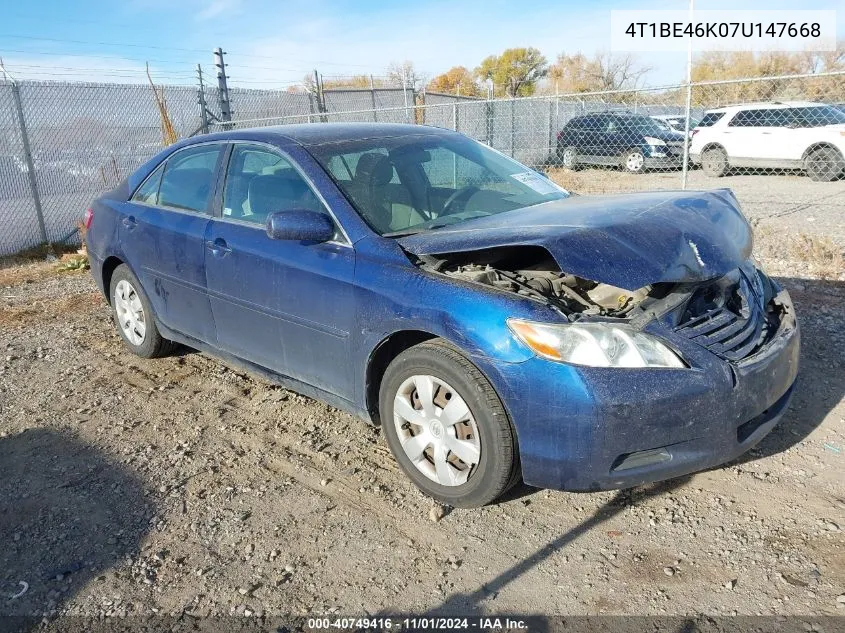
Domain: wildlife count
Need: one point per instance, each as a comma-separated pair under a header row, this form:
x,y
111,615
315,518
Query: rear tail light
x,y
559,134
694,132
88,218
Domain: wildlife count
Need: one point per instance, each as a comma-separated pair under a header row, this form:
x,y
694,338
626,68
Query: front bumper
x,y
663,162
590,428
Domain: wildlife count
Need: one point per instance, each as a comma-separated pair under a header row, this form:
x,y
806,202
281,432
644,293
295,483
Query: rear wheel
x,y
133,316
446,426
633,161
824,164
569,157
714,162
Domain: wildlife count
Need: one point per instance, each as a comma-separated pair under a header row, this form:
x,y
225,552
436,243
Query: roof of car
x,y
316,134
767,105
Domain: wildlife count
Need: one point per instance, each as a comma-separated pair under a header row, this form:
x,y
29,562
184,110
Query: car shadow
x,y
470,602
68,513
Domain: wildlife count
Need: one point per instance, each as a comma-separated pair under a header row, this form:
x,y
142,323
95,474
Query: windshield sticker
x,y
538,183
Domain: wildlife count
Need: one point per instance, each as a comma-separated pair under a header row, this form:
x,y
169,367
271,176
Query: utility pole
x,y
201,101
222,86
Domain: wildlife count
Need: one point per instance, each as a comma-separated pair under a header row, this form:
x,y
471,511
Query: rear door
x,y
162,234
742,137
592,137
778,135
284,305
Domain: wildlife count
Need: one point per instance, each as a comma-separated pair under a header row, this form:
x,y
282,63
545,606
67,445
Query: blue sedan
x,y
494,325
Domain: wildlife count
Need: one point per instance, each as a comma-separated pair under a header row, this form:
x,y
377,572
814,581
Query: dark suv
x,y
632,141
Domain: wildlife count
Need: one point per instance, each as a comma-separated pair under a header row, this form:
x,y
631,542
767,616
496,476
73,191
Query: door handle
x,y
130,222
218,247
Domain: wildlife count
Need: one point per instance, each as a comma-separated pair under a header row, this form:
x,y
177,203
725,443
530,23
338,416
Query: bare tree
x,y
397,73
602,71
617,72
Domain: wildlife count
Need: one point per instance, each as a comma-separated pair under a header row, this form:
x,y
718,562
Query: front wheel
x,y
633,161
133,316
824,164
446,426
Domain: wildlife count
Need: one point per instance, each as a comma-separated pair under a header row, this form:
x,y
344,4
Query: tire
x,y
633,161
437,368
133,316
569,157
824,164
714,162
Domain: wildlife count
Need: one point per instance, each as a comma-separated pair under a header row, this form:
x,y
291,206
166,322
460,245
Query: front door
x,y
284,305
162,234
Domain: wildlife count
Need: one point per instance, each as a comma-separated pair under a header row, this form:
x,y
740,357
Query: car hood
x,y
628,241
667,135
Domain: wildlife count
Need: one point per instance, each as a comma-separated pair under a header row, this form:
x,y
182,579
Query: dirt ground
x,y
179,486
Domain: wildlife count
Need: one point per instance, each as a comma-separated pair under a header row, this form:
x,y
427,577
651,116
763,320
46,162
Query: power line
x,y
101,69
86,56
175,48
88,43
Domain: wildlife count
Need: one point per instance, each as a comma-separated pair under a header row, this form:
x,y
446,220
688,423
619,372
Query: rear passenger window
x,y
188,178
148,192
260,182
710,118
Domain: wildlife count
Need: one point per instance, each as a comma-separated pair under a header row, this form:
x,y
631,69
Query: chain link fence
x,y
84,138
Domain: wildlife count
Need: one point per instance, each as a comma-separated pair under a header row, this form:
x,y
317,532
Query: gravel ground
x,y
179,486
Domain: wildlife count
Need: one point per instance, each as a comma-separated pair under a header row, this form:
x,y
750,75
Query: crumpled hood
x,y
630,240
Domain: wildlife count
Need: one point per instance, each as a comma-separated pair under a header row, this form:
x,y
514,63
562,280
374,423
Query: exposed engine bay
x,y
532,272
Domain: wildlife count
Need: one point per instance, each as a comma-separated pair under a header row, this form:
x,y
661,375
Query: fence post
x,y
685,166
27,154
373,96
201,101
405,94
455,115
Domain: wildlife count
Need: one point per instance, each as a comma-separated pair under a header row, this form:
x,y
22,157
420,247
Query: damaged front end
x,y
532,272
734,316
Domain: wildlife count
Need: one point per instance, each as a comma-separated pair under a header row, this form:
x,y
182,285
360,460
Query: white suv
x,y
781,135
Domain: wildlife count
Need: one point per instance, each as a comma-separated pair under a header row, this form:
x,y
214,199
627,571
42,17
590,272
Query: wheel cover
x,y
569,157
436,430
634,161
130,312
714,159
823,162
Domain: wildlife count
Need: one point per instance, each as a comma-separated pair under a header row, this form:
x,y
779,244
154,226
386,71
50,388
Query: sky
x,y
274,43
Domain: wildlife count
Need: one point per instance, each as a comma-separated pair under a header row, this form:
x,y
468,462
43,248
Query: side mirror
x,y
301,225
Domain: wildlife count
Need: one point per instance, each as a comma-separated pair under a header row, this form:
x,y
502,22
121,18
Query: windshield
x,y
412,183
647,125
818,116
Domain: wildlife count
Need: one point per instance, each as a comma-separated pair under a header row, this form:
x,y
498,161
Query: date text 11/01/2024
x,y
419,623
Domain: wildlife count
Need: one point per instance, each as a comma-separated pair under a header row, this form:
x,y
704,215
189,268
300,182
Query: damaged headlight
x,y
595,344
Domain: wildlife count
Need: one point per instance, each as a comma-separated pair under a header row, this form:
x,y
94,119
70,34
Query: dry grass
x,y
825,258
817,256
